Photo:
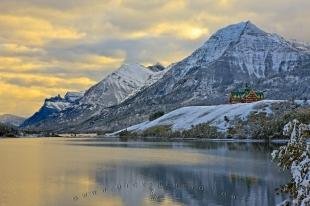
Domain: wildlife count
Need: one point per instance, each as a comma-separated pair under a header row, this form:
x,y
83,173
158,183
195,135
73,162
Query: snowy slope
x,y
185,117
121,84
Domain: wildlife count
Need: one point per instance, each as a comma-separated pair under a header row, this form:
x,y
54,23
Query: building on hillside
x,y
248,95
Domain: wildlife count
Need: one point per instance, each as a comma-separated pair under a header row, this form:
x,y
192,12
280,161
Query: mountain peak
x,y
243,42
220,41
252,29
126,81
233,32
131,69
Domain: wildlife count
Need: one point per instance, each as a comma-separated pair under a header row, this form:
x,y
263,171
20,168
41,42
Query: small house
x,y
247,95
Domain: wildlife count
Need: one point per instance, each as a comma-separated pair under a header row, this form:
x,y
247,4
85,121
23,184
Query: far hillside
x,y
13,120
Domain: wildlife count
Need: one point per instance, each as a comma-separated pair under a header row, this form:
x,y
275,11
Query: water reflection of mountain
x,y
189,185
230,173
199,144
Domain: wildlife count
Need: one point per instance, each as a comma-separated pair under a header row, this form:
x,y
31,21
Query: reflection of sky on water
x,y
51,172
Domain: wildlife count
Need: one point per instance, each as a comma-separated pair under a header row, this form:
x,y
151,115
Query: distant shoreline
x,y
157,139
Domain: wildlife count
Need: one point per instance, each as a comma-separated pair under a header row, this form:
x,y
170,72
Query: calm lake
x,y
94,171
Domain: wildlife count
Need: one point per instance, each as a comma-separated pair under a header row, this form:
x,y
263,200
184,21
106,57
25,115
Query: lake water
x,y
89,171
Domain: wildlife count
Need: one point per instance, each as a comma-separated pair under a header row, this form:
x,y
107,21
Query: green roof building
x,y
246,95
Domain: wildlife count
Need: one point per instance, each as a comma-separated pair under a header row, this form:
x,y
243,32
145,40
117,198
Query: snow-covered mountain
x,y
112,90
235,55
54,106
121,84
13,120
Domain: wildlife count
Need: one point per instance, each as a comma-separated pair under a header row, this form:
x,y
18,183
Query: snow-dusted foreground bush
x,y
296,157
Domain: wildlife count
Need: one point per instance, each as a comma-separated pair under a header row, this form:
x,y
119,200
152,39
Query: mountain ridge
x,y
234,55
11,120
261,59
111,90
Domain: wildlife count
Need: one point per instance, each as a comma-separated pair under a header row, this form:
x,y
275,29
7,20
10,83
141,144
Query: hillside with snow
x,y
186,117
261,119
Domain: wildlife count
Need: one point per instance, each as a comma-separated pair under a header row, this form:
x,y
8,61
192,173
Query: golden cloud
x,y
46,82
17,64
34,31
87,62
22,100
181,30
19,49
97,62
30,90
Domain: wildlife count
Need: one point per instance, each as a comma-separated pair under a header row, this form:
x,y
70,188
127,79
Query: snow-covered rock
x,y
57,103
73,96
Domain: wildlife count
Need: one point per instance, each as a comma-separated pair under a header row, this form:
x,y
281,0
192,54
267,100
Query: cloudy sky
x,y
48,47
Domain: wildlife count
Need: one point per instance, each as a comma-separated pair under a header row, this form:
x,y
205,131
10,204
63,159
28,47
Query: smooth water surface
x,y
89,171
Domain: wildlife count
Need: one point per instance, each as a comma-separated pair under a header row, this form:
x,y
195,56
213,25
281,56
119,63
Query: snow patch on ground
x,y
186,117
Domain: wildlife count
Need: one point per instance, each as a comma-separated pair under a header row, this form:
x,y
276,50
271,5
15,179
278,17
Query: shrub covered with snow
x,y
295,156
